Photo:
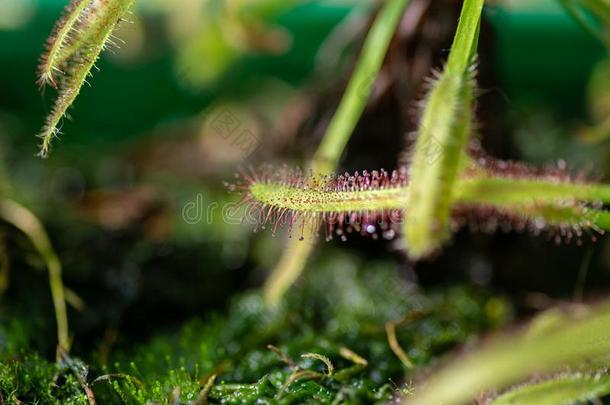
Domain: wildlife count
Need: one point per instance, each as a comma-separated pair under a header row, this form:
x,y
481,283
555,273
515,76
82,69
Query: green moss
x,y
31,379
344,304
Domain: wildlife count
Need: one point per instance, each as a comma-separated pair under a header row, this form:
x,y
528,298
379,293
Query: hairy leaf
x,y
573,341
445,129
375,202
73,49
563,389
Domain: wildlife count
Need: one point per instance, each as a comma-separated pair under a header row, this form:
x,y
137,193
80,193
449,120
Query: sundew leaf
x,y
445,127
384,190
505,190
74,58
64,33
573,341
562,389
375,203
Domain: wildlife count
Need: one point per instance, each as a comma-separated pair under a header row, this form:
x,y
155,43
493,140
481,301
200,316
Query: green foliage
x,y
29,379
577,340
74,47
445,124
348,333
563,389
338,317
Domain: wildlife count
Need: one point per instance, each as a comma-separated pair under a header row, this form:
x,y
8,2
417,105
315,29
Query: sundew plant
x,y
325,336
75,45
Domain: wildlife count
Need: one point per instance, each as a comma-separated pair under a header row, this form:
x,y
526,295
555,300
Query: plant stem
x,y
359,88
22,219
504,190
442,136
340,129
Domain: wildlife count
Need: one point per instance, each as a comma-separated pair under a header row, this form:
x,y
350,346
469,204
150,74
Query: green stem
x,y
600,8
340,129
21,218
581,11
442,137
359,87
502,190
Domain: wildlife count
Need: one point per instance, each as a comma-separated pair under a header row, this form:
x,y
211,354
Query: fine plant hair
x,y
73,48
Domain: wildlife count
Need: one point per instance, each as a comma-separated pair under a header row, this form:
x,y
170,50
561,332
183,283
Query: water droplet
x,y
370,228
389,234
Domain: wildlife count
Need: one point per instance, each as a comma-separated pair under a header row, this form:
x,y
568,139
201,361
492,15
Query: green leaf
x,y
441,141
563,389
74,59
537,200
573,341
52,62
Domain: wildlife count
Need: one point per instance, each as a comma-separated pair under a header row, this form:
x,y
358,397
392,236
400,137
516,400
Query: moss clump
x,y
29,379
343,305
